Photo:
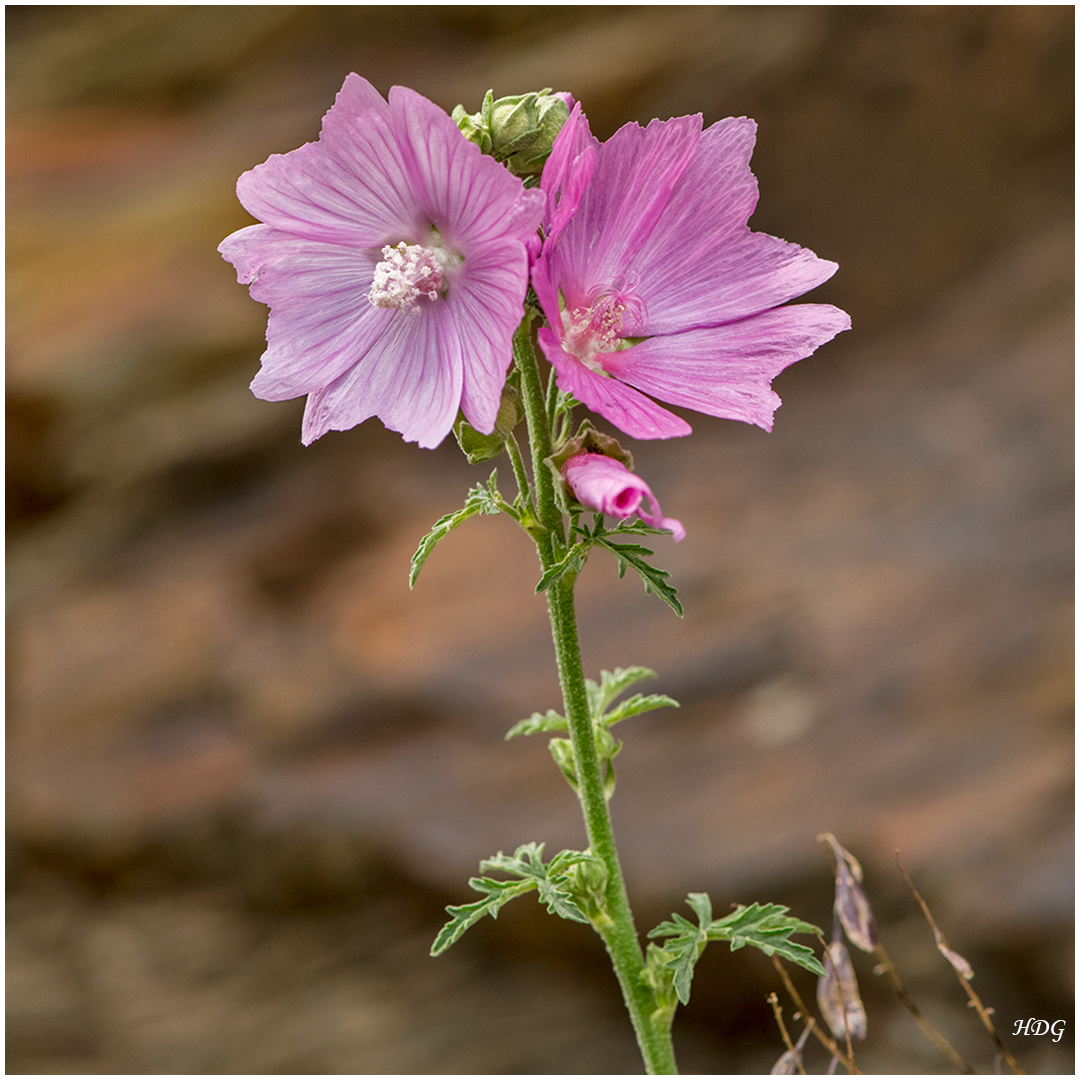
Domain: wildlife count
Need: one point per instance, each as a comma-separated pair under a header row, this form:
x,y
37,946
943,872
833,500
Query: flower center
x,y
590,331
408,272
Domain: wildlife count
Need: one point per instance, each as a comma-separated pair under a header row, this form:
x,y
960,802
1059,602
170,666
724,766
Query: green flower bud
x,y
473,126
518,130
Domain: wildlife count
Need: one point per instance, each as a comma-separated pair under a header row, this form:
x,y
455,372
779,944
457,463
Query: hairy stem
x,y
616,925
514,453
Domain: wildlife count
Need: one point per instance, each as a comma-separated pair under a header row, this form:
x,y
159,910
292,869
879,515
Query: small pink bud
x,y
602,483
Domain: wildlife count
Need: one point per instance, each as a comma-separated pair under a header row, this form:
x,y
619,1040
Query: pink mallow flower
x,y
653,283
602,483
393,258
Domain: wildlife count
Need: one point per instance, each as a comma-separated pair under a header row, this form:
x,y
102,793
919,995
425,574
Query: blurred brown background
x,y
247,767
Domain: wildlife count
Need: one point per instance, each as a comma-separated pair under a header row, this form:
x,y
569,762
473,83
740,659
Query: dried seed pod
x,y
852,907
838,995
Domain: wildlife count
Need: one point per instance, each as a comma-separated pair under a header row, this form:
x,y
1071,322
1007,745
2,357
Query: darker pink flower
x,y
655,287
393,256
602,483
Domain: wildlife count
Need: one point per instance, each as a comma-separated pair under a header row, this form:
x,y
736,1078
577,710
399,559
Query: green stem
x,y
552,399
532,396
616,926
514,453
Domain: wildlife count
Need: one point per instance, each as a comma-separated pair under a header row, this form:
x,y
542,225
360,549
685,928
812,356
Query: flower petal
x,y
352,186
628,410
726,370
746,274
321,320
381,173
702,266
466,195
635,172
410,379
567,172
485,306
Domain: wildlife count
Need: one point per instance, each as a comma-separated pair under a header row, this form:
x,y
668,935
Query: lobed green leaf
x,y
482,499
526,865
637,704
465,915
549,721
612,684
573,561
655,580
766,926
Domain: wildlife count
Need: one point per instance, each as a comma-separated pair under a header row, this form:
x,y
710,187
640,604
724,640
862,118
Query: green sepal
x,y
766,926
588,440
477,126
477,447
482,499
586,879
659,977
562,751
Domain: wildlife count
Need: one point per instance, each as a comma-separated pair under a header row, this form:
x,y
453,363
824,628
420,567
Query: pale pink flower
x,y
393,256
602,483
653,283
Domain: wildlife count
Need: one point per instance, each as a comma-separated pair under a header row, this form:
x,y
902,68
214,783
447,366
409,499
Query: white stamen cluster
x,y
406,273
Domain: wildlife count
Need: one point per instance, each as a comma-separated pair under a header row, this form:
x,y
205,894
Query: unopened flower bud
x,y
601,483
518,130
472,125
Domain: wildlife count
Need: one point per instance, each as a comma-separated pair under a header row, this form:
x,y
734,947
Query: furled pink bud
x,y
602,483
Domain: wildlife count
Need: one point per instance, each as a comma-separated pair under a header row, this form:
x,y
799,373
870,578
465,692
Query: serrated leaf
x,y
527,865
637,704
686,944
573,560
612,684
549,721
559,901
465,915
766,926
701,905
480,500
655,580
635,527
525,860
